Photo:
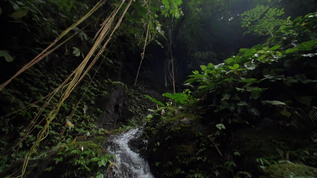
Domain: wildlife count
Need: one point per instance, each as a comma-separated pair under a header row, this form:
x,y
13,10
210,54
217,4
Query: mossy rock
x,y
290,170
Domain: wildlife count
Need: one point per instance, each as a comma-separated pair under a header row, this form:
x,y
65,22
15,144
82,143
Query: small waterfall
x,y
129,164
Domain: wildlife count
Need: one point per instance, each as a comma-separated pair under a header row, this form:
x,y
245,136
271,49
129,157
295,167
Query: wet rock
x,y
112,104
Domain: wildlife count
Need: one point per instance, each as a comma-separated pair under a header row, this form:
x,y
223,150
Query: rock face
x,y
113,105
120,105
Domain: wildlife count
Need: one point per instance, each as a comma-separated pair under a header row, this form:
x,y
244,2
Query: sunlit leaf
x,y
240,89
220,126
229,61
234,67
250,65
203,67
249,80
149,116
211,66
275,47
177,97
154,100
69,124
308,45
76,51
275,102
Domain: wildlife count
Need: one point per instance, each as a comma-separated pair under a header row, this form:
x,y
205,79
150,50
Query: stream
x,y
128,164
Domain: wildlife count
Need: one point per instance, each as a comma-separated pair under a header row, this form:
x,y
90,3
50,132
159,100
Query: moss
x,y
290,169
84,145
186,149
99,140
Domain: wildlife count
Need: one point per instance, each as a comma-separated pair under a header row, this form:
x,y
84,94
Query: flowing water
x,y
129,164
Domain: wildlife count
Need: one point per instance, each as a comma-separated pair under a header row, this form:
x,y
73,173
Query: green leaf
x,y
177,97
262,20
154,100
229,61
249,80
225,96
255,92
240,89
286,113
220,126
291,50
274,102
19,14
250,65
157,164
6,55
275,47
203,67
149,116
255,111
234,67
211,66
308,45
102,162
228,79
76,51
100,175
242,103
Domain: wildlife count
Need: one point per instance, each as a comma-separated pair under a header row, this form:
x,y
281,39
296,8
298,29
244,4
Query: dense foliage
x,y
243,115
266,91
30,27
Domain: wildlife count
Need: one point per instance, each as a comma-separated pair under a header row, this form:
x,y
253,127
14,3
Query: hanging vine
x,y
78,75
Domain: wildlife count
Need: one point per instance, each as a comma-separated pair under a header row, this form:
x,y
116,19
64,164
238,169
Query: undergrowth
x,y
240,117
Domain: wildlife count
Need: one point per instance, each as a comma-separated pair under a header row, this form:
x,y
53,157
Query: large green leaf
x,y
291,50
19,14
308,45
220,126
6,55
177,97
275,47
274,102
234,67
154,100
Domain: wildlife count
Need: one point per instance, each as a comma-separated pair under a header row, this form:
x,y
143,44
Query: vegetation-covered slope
x,y
240,117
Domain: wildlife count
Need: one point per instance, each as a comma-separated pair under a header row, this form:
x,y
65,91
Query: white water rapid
x,y
129,164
